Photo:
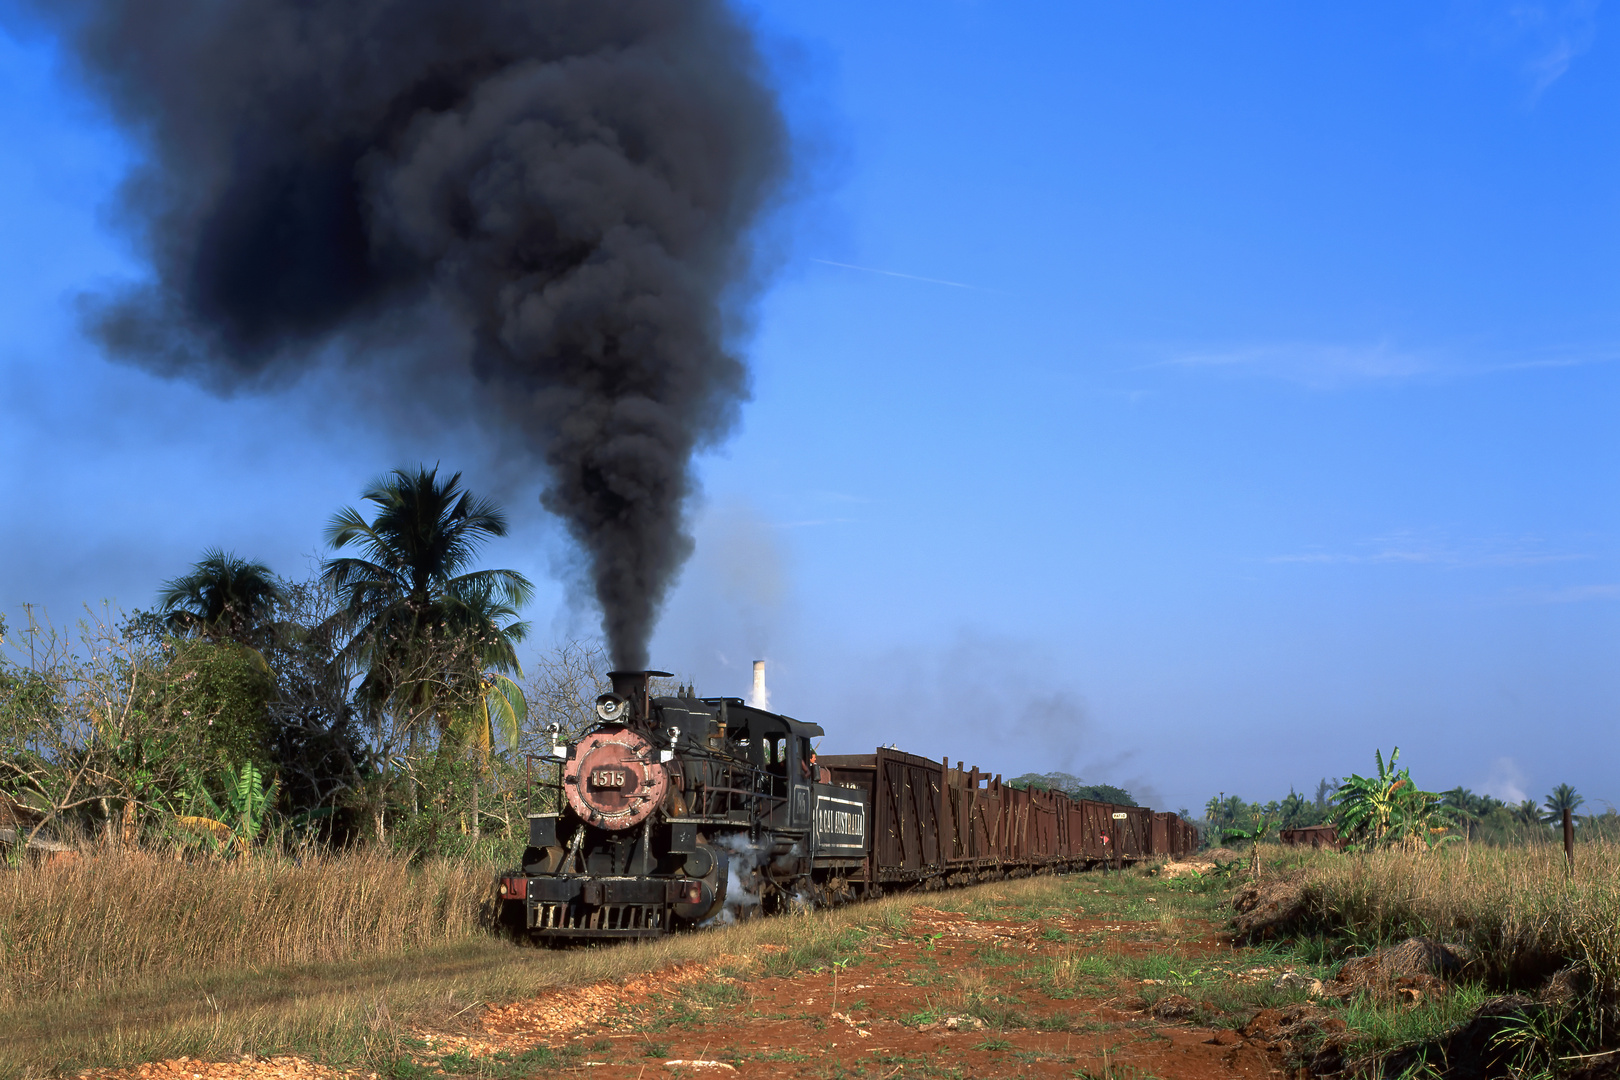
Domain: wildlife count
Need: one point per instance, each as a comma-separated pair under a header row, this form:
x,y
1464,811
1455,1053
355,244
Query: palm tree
x,y
1563,798
1528,812
224,598
1467,810
424,627
1291,810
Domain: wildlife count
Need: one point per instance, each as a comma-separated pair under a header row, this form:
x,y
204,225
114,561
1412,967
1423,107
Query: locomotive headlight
x,y
611,707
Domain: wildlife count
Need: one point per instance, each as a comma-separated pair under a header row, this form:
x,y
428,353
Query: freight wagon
x,y
933,824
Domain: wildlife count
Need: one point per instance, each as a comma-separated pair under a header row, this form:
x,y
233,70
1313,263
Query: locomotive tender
x,y
670,807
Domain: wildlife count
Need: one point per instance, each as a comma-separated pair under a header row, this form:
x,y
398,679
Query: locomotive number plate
x,y
607,778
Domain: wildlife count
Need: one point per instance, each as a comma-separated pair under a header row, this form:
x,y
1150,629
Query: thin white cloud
x,y
898,274
1416,549
1574,594
812,522
1558,34
1538,42
1326,366
1562,360
1315,365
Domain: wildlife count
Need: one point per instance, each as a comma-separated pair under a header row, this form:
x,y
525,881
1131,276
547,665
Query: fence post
x,y
1569,839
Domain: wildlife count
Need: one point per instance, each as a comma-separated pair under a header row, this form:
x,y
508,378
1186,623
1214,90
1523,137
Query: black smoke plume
x,y
574,181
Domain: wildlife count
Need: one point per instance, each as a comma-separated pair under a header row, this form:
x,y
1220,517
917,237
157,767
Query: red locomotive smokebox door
x,y
614,779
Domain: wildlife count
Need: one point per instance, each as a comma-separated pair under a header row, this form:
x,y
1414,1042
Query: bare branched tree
x,y
102,726
562,689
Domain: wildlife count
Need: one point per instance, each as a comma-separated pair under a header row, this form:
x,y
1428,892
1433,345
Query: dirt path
x,y
951,994
955,1000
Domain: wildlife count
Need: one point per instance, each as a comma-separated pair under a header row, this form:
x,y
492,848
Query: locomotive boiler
x,y
669,805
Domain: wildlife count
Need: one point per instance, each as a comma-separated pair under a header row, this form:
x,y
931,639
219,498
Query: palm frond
x,y
506,709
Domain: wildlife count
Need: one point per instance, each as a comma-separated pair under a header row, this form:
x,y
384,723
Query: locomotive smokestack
x,y
760,698
635,687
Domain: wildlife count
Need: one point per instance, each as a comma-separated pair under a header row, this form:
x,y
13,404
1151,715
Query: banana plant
x,y
1386,808
1366,803
1254,835
248,797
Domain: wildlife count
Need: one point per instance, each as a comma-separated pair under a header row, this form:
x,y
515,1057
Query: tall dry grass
x,y
1518,908
119,915
364,1011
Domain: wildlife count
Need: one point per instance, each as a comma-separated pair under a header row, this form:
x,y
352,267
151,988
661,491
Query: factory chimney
x,y
759,699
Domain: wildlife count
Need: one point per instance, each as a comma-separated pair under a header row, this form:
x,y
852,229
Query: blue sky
x,y
1192,398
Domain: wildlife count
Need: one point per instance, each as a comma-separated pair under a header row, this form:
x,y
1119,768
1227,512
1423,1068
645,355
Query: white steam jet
x,y
760,698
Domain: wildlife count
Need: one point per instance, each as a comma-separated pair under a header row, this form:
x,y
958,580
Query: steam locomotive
x,y
671,807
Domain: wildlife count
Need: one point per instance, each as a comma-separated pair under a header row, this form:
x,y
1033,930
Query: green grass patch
x,y
714,995
999,1011
1381,1027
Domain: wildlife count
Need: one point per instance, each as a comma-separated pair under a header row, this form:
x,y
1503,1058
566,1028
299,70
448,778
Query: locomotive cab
x,y
779,747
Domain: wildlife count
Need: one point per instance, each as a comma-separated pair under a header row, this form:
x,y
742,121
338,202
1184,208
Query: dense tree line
x,y
1074,787
1387,808
381,698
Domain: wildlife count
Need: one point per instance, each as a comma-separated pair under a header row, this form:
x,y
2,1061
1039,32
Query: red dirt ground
x,y
871,1028
900,1008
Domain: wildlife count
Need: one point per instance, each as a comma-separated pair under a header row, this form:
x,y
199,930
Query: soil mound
x,y
1173,1007
1422,956
1564,990
1414,969
1304,1035
1271,908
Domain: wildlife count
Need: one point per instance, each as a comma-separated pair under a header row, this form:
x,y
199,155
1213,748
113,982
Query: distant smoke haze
x,y
735,603
991,701
1506,781
573,184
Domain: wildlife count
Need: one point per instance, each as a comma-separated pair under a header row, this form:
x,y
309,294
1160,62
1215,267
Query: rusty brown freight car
x,y
1133,832
933,824
1173,835
1314,836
